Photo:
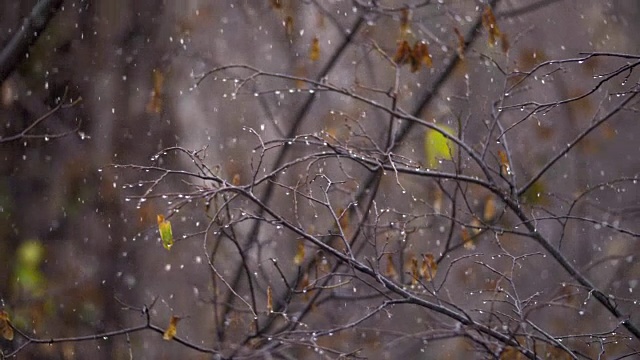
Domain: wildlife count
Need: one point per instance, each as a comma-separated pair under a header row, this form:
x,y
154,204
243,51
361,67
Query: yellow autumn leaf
x,y
5,328
489,209
235,181
535,194
166,234
172,329
298,259
29,257
314,52
437,147
476,226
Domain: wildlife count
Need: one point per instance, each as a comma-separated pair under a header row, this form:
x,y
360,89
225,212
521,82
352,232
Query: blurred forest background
x,y
77,247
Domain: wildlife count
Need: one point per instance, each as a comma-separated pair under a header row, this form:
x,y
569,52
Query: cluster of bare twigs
x,y
348,252
31,131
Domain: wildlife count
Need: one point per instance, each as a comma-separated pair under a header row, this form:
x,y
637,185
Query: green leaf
x,y
164,226
30,253
535,194
28,276
437,146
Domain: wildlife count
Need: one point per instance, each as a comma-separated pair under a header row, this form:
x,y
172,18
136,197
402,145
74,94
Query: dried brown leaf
x,y
467,240
236,180
504,163
5,327
172,329
403,53
489,212
298,259
314,51
429,267
490,24
154,106
288,26
269,300
390,270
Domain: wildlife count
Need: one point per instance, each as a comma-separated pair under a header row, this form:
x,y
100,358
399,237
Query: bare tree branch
x,y
32,27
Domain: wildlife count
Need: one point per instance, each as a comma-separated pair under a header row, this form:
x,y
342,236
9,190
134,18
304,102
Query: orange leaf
x,y
504,163
5,327
403,53
415,273
236,180
419,55
172,329
467,240
489,23
390,271
269,300
299,258
429,267
314,52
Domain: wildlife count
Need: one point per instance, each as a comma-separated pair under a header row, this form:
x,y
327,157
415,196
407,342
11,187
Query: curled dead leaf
x,y
429,267
172,329
403,53
390,270
6,331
